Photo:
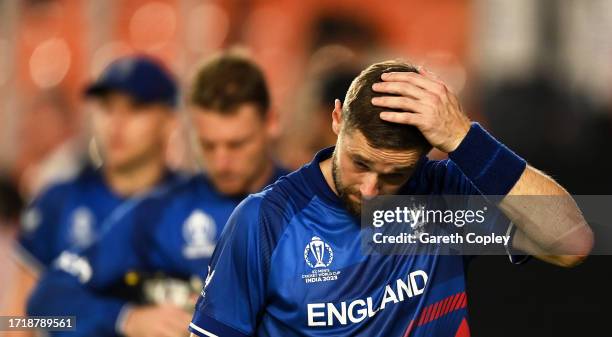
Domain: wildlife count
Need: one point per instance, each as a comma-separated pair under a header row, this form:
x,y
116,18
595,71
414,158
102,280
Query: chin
x,y
116,165
230,189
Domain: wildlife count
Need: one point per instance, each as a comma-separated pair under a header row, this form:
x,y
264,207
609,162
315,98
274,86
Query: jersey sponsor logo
x,y
81,230
319,256
199,231
74,265
343,313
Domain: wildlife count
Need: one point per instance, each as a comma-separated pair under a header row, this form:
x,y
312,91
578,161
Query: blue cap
x,y
143,78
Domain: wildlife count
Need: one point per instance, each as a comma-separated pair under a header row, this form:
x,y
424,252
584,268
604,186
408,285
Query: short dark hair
x,y
227,81
359,113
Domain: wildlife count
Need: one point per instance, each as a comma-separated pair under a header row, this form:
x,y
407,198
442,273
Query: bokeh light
x,y
152,26
207,28
50,63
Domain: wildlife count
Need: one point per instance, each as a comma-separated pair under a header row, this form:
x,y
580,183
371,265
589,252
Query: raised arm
x,y
550,227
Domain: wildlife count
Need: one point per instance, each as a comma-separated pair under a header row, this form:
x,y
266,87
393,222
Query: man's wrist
x,y
490,165
459,139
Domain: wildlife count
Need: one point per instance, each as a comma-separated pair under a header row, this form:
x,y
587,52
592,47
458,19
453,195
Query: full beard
x,y
344,192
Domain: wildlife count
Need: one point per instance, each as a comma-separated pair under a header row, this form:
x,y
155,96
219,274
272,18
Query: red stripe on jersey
x,y
464,329
409,328
464,301
442,307
425,316
446,305
438,310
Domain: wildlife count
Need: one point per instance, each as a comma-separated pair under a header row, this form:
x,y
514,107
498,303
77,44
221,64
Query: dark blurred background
x,y
538,74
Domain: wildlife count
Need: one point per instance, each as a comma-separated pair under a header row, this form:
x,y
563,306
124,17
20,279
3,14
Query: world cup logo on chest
x,y
319,252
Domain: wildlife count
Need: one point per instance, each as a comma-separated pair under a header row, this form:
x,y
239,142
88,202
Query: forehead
x,y
355,145
113,100
212,124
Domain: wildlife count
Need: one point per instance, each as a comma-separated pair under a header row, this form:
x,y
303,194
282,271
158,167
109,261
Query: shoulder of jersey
x,y
186,182
283,198
85,175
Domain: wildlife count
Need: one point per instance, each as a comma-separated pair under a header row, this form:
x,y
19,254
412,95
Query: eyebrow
x,y
400,169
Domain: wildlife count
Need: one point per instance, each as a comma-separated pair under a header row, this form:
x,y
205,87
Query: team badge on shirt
x,y
319,256
82,232
199,231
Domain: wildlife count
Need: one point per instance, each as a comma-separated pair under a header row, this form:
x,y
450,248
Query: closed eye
x,y
361,165
394,178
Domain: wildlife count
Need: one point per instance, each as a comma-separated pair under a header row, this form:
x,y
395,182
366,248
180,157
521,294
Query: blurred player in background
x,y
134,101
290,262
133,278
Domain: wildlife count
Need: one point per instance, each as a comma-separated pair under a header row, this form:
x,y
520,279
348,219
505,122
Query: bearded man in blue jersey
x,y
290,261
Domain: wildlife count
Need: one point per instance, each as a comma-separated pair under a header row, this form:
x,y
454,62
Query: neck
x,y
326,169
138,180
262,179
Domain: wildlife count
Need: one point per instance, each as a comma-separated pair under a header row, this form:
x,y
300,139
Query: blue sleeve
x,y
234,290
40,225
64,293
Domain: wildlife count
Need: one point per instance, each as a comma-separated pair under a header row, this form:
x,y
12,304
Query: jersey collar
x,y
314,175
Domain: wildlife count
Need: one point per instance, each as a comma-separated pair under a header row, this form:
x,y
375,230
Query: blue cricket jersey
x,y
70,215
157,248
264,279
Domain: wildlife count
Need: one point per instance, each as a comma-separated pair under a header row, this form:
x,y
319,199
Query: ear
x,y
337,117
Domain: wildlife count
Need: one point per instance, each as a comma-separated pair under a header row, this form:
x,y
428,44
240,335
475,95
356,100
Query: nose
x,y
116,117
369,187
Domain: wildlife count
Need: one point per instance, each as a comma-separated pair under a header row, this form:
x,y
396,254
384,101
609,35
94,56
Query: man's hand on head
x,y
426,103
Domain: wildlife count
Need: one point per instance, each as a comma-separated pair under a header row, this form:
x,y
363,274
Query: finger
x,y
401,88
400,103
419,80
401,117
